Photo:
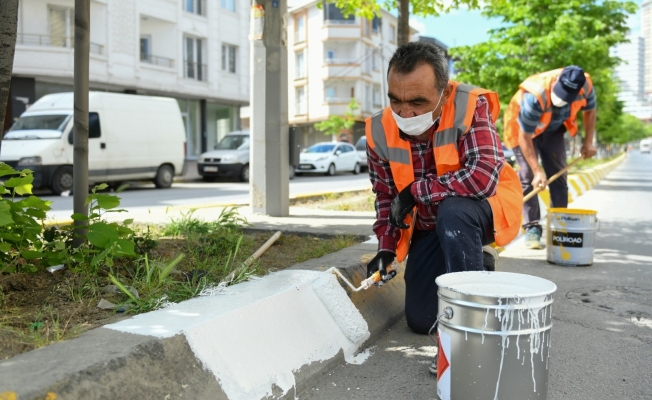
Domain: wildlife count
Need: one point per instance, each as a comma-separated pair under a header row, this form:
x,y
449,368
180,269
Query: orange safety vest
x,y
540,85
457,114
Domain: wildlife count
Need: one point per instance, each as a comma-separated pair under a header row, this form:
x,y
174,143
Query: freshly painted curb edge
x,y
106,363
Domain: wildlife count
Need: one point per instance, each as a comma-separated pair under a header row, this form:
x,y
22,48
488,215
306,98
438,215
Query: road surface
x,y
145,195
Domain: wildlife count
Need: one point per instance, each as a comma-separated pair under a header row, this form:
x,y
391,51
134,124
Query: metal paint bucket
x,y
494,336
571,236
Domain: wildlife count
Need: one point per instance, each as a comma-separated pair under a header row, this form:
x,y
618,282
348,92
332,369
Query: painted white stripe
x,y
256,334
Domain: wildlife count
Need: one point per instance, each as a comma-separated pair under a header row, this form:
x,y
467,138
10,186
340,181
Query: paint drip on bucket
x,y
508,307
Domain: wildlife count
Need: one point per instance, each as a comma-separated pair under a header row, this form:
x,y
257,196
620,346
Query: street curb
x,y
105,364
293,200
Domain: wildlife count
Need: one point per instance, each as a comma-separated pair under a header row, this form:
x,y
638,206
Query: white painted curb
x,y
255,335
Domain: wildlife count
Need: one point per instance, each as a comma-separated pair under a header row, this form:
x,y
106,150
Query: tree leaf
x,y
5,213
106,201
126,247
5,247
31,254
102,235
7,170
19,181
99,187
78,217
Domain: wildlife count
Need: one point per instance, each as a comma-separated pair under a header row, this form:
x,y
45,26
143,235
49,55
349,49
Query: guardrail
x,y
29,39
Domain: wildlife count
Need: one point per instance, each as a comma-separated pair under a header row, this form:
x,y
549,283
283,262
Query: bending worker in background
x,y
543,109
443,189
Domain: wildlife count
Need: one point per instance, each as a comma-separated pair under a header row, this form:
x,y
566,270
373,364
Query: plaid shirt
x,y
481,156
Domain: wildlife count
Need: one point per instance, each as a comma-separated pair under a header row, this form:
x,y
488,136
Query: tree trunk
x,y
8,26
403,22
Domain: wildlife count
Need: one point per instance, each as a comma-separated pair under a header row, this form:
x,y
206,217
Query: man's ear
x,y
448,91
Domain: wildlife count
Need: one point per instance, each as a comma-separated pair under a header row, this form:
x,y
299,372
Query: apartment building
x,y
333,59
196,51
631,77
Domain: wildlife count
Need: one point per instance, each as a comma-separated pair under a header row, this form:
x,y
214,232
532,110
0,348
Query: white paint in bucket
x,y
571,236
512,299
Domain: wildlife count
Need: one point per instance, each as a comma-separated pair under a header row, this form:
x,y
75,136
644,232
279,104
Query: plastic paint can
x,y
571,236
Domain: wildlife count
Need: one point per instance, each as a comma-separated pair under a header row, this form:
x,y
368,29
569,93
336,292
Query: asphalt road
x,y
145,195
602,315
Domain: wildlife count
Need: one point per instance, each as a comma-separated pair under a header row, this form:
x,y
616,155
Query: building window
x,y
193,56
374,61
378,101
145,48
229,54
329,94
62,26
195,6
334,15
228,5
300,29
300,64
375,24
300,94
392,33
367,59
367,97
330,56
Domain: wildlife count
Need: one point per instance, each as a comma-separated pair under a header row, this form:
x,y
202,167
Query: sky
x,y
446,28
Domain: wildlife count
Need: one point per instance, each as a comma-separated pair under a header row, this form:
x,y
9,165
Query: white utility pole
x,y
269,173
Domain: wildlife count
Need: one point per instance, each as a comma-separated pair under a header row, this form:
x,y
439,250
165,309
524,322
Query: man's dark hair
x,y
409,56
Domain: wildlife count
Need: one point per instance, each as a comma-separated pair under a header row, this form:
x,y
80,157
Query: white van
x,y
130,138
646,145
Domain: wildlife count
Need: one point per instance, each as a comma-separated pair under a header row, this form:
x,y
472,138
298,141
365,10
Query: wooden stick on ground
x,y
552,179
262,249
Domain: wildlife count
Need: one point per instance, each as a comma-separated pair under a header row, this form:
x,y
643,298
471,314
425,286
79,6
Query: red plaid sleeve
x,y
482,159
383,186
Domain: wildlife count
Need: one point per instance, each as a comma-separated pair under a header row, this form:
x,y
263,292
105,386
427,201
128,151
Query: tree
x,y
540,35
369,8
8,26
336,124
632,129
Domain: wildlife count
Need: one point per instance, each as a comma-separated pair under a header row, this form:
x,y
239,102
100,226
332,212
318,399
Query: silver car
x,y
229,159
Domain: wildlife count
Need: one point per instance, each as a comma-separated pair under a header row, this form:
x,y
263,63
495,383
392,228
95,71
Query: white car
x,y
646,145
327,158
361,148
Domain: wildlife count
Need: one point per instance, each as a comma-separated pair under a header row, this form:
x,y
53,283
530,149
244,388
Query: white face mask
x,y
556,101
415,126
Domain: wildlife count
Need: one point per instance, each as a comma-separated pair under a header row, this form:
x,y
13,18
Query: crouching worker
x,y
443,189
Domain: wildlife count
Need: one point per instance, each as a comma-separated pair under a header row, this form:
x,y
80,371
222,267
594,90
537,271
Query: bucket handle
x,y
448,313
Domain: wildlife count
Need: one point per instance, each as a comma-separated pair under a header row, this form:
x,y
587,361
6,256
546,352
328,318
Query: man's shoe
x,y
533,238
489,258
433,367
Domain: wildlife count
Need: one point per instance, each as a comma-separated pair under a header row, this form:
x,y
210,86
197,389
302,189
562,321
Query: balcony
x,y
337,100
340,30
349,69
27,39
198,72
157,60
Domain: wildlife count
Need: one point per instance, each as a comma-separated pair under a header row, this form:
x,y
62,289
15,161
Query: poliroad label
x,y
567,239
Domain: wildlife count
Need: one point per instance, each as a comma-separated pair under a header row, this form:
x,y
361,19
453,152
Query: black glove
x,y
379,263
401,206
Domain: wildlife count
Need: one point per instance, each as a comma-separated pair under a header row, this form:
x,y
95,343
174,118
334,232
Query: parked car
x,y
130,138
361,148
328,158
229,159
646,145
509,156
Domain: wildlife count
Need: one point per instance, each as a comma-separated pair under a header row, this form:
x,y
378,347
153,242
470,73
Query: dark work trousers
x,y
550,147
463,227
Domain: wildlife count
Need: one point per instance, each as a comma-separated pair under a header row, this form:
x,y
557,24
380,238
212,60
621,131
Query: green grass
x,y
590,163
